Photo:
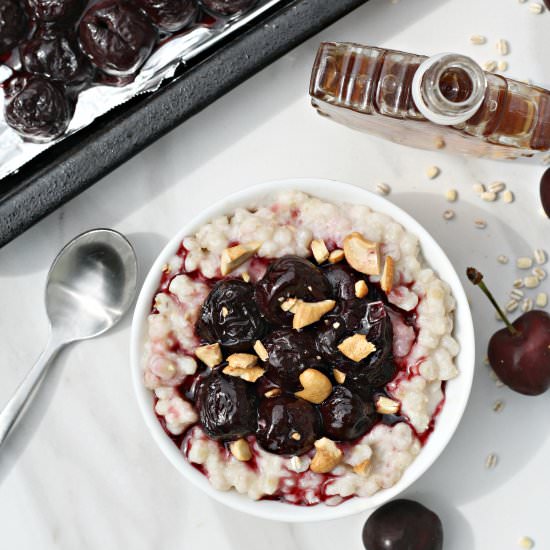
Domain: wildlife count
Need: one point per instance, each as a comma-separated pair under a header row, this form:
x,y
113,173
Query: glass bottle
x,y
444,101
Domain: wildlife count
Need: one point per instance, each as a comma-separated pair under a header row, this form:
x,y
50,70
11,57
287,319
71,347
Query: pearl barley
x,y
451,195
432,172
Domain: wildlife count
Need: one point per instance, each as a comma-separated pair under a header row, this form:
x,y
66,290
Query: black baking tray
x,y
75,163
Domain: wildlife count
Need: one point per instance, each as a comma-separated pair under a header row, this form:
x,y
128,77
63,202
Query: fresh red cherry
x,y
403,525
519,353
545,182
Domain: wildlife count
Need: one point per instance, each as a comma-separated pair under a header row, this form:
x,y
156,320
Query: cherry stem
x,y
476,278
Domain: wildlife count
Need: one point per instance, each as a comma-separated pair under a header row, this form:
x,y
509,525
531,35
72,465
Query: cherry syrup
x,y
290,488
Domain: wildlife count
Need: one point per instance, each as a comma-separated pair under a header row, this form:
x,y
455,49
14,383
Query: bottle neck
x,y
448,89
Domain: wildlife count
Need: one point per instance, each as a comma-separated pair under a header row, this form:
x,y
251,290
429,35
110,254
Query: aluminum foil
x,y
98,100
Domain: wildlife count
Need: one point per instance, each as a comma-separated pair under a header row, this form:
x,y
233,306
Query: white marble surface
x,y
82,471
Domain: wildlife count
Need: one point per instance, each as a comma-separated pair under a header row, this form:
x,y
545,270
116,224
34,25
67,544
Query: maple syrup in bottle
x,y
444,101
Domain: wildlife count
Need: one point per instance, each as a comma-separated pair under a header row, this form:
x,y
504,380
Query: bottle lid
x,y
429,98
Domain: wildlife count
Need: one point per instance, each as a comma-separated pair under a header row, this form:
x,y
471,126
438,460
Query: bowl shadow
x,y
460,471
457,531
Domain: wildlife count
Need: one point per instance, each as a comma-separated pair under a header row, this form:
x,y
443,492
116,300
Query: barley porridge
x,y
298,350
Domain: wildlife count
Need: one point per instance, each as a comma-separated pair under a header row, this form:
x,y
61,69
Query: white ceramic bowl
x,y
457,391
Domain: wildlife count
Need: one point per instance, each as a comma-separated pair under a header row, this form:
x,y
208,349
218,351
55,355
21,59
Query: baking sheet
x,y
69,167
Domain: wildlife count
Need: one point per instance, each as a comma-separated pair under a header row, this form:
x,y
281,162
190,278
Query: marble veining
x,y
83,472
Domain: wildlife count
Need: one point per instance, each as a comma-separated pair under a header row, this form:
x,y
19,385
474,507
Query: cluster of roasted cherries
x,y
59,47
236,314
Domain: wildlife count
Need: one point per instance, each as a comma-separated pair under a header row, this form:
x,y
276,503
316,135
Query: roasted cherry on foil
x,y
227,407
289,277
13,24
287,425
117,37
230,316
57,11
170,15
55,55
37,108
228,7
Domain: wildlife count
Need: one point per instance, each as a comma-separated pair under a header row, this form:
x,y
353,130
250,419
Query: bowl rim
x,y
334,191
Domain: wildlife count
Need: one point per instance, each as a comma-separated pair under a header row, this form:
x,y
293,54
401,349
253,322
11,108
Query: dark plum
x,y
170,15
346,416
290,353
116,37
280,418
372,320
227,407
403,525
230,316
57,11
37,109
13,24
289,277
228,7
55,56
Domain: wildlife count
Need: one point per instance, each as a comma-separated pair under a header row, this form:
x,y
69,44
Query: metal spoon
x,y
90,286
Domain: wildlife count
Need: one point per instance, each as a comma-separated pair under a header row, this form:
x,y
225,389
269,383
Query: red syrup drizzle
x,y
298,495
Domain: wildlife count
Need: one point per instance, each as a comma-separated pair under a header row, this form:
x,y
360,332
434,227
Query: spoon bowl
x,y
91,284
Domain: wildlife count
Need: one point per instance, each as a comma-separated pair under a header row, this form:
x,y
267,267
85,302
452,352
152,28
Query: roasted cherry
x,y
287,425
116,37
403,525
290,353
170,15
58,11
227,407
13,24
342,279
372,320
56,56
228,7
230,316
519,353
289,277
346,416
37,109
265,384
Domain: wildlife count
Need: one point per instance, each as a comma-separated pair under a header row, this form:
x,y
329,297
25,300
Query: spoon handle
x,y
17,403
